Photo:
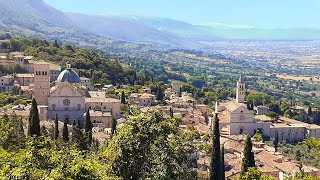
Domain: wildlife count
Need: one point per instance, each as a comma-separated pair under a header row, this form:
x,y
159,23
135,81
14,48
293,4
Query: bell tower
x,y
41,82
240,90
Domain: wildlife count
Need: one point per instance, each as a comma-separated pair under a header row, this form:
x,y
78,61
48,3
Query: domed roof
x,y
68,75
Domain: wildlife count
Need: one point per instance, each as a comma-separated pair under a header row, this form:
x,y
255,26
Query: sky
x,y
256,13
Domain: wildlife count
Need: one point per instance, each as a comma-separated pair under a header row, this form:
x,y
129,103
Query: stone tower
x,y
240,90
41,82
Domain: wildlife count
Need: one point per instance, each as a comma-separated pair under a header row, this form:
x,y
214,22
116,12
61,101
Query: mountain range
x,y
34,18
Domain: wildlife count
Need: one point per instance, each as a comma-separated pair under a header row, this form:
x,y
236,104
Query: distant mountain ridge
x,y
34,18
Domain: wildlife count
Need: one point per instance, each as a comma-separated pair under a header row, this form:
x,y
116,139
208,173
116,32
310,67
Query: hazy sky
x,y
259,13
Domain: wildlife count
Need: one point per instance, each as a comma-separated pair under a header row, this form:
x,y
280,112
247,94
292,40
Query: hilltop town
x,y
63,94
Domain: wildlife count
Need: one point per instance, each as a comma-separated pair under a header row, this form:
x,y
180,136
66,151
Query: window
x,y
45,73
66,102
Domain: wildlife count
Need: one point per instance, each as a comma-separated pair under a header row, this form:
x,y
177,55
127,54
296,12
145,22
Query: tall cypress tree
x,y
248,156
113,126
88,127
159,96
215,166
223,174
56,128
276,142
34,120
65,132
123,98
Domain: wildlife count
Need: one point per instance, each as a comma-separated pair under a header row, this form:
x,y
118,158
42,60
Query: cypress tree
x,y
65,132
206,118
159,96
171,112
34,121
276,142
248,156
123,98
56,44
223,174
88,127
56,128
113,126
215,166
309,111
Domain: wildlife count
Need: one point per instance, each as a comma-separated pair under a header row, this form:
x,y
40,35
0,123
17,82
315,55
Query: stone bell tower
x,y
240,90
41,87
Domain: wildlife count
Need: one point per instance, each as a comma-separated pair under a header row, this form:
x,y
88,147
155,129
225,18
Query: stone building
x,y
41,86
144,99
235,118
69,98
87,83
6,83
24,79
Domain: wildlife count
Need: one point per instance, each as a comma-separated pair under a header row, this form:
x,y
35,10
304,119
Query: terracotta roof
x,y
99,114
101,100
24,75
223,117
232,106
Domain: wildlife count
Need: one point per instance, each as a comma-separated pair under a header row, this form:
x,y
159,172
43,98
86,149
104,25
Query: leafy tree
x,y
215,164
65,131
78,137
275,108
123,98
11,135
150,146
273,115
34,121
88,127
255,174
56,128
248,157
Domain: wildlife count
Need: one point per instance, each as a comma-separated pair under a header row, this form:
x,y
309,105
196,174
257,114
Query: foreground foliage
x,y
147,146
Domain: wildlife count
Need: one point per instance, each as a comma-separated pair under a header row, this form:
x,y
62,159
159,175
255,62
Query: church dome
x,y
68,75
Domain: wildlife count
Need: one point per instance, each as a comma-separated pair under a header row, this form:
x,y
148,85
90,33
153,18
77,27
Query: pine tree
x,y
215,166
223,174
88,127
56,128
248,157
123,98
34,121
65,132
113,126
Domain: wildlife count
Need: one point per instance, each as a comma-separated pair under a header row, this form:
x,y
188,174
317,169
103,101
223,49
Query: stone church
x,y
68,98
234,116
